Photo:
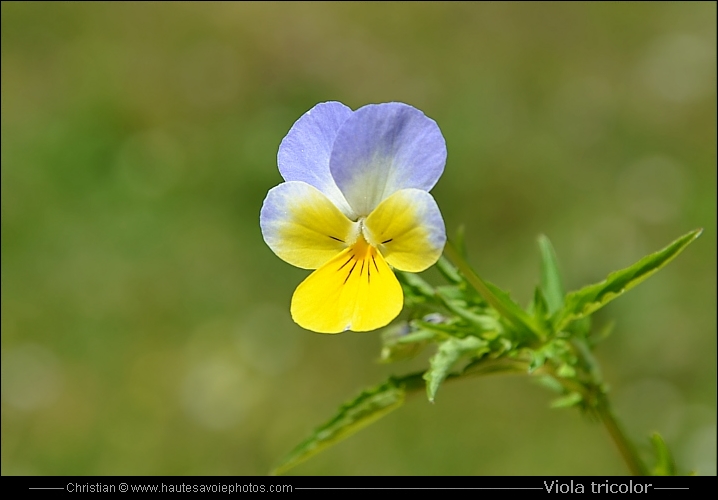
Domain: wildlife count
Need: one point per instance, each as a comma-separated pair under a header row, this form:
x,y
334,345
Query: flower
x,y
356,202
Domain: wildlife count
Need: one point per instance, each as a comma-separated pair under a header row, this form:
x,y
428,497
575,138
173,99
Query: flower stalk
x,y
479,330
624,445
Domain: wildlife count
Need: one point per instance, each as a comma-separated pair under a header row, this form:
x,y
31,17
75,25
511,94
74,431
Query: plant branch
x,y
628,452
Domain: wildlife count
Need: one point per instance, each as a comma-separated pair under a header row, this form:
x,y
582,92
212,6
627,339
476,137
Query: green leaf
x,y
449,352
490,366
481,321
539,308
417,336
415,285
550,383
538,358
550,277
581,327
566,371
354,415
602,334
403,341
439,330
461,240
448,271
497,298
588,360
452,293
589,299
504,304
665,465
572,399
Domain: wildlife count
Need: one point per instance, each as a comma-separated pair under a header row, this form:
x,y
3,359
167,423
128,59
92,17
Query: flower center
x,y
364,233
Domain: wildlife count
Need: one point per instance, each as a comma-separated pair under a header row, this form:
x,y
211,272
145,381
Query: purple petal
x,y
382,148
305,150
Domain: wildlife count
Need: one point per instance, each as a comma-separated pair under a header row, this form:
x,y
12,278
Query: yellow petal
x,y
356,290
303,227
408,230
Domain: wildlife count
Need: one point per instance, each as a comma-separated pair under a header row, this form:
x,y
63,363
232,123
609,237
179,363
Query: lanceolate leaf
x,y
539,307
550,278
497,298
450,351
665,465
589,299
414,284
571,399
397,344
448,271
354,415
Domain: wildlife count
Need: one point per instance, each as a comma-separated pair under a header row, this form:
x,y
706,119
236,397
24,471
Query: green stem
x,y
628,452
475,281
596,397
415,383
504,306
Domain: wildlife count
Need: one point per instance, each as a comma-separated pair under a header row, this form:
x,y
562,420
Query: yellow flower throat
x,y
361,258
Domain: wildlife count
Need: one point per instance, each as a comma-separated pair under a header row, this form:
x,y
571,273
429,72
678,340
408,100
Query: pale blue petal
x,y
382,148
304,152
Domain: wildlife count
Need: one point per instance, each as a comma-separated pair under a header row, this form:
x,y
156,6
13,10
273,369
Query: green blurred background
x,y
145,324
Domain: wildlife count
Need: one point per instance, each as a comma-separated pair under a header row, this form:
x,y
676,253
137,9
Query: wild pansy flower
x,y
356,202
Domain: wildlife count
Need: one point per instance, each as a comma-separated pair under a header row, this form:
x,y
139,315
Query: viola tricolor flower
x,y
355,204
